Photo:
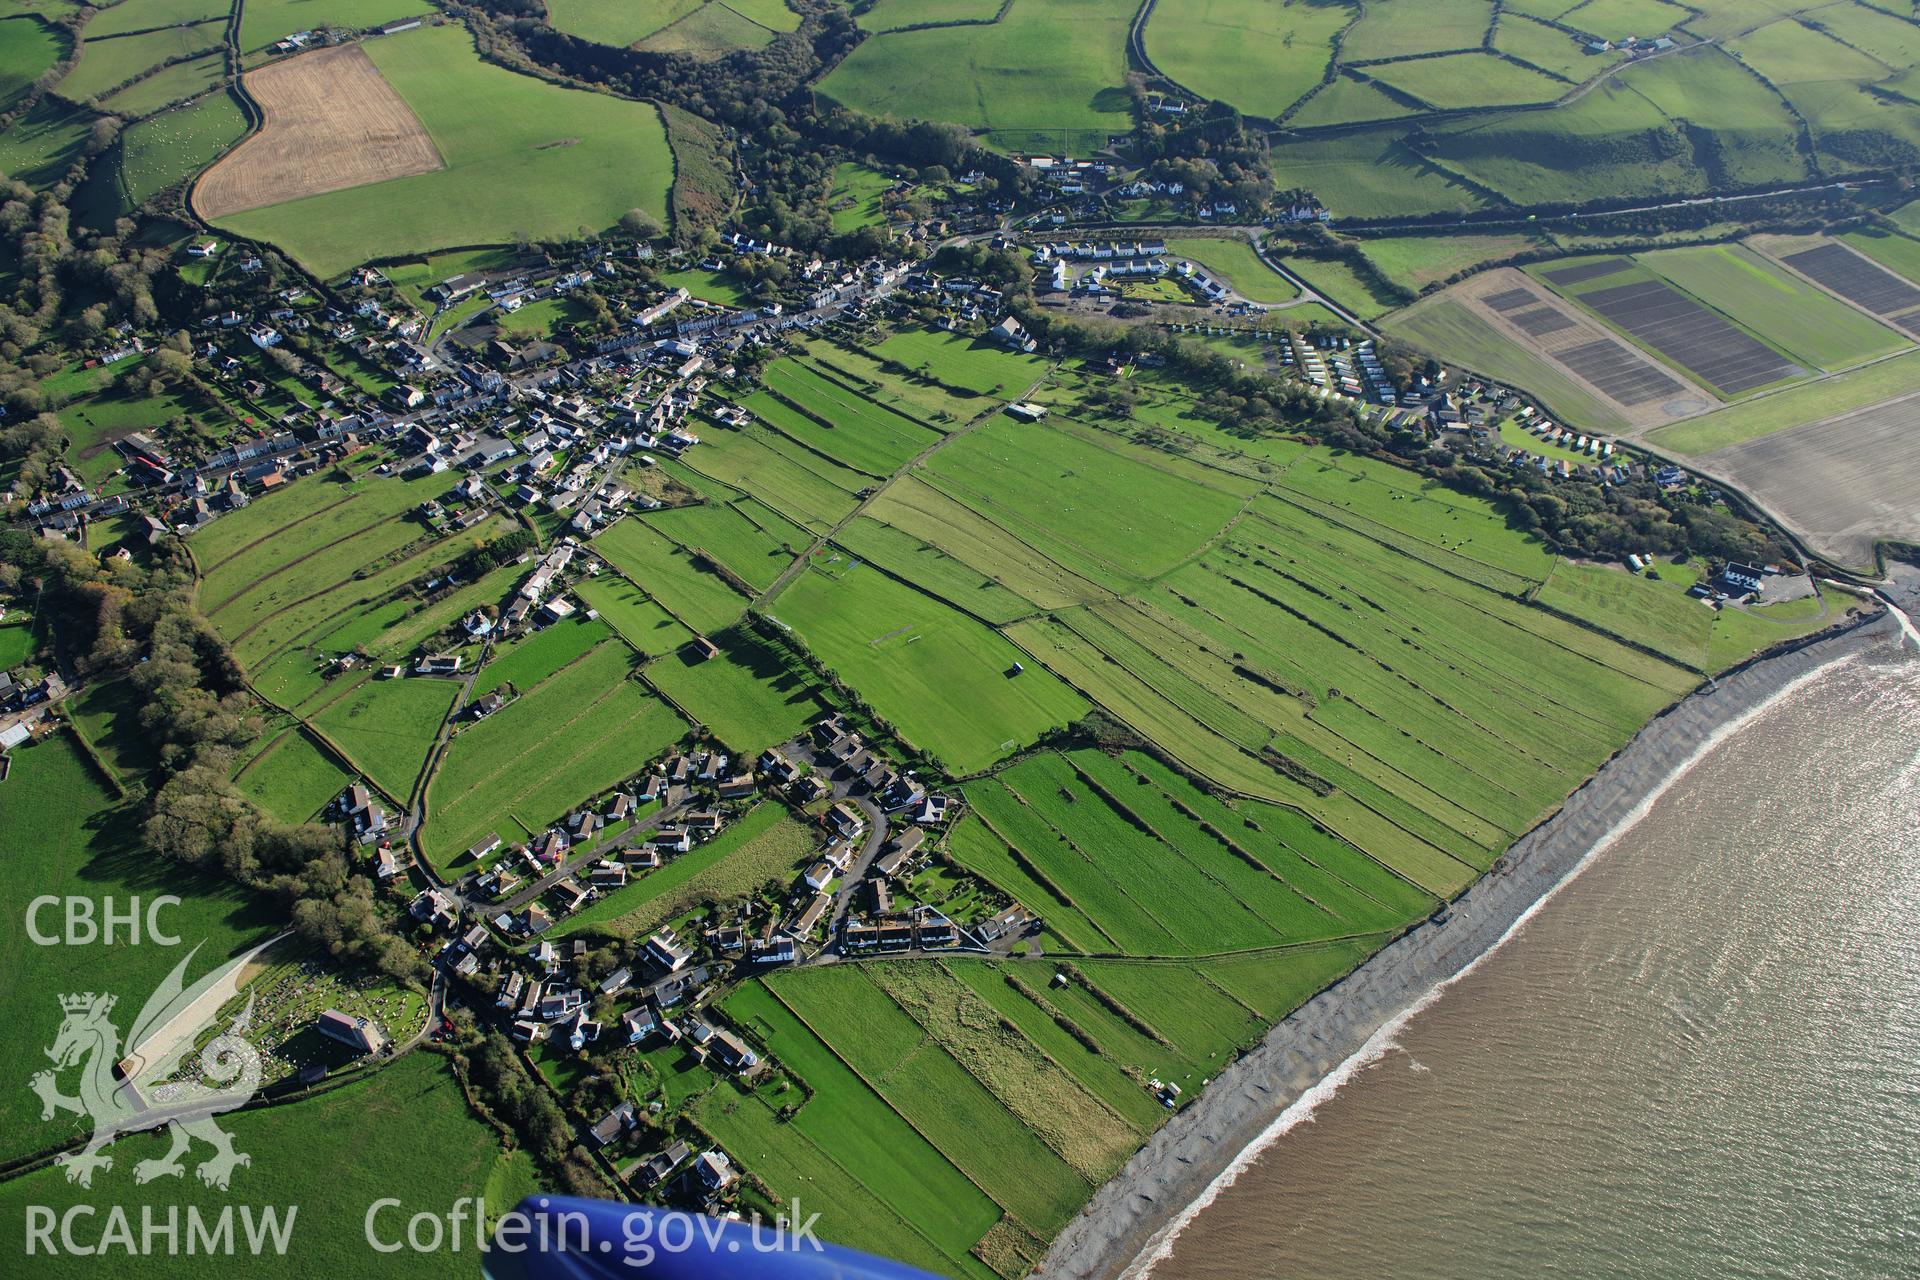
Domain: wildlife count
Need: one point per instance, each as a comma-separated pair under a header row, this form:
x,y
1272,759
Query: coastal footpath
x,y
1134,1216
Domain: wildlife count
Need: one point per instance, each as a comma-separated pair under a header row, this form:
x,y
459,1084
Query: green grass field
x,y
884,1185
693,594
890,15
107,715
171,147
521,664
1234,260
639,619
1617,19
616,22
748,697
1259,57
386,728
1545,47
145,15
1106,510
523,156
762,846
920,1078
1477,79
292,778
170,84
1664,618
855,196
1418,261
1337,280
40,146
105,64
1045,77
754,542
970,367
943,680
28,48
1399,28
1369,173
1792,407
806,487
710,30
87,844
454,1155
559,744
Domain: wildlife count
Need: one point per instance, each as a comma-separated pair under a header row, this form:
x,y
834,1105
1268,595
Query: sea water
x,y
1700,1059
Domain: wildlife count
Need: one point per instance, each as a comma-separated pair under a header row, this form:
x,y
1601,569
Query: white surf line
x,y
1377,1046
1907,629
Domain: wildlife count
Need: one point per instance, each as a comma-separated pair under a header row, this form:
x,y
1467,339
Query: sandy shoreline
x,y
1133,1215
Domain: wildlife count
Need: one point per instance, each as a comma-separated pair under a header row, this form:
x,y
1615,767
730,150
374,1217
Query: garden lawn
x,y
1234,260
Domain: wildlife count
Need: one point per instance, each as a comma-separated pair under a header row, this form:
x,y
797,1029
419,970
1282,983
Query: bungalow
x,y
607,875
702,822
613,1124
731,1051
819,875
845,820
670,840
656,1168
572,894
809,918
738,787
361,1034
616,982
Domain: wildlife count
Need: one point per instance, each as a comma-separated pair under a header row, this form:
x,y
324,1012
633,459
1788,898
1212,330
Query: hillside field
x,y
538,159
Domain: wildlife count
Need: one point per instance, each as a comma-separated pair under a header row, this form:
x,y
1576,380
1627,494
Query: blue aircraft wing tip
x,y
566,1238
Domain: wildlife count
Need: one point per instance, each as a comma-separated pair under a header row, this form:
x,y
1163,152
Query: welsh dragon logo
x,y
126,1087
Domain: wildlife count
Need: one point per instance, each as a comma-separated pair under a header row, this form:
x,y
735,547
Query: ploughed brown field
x,y
332,122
